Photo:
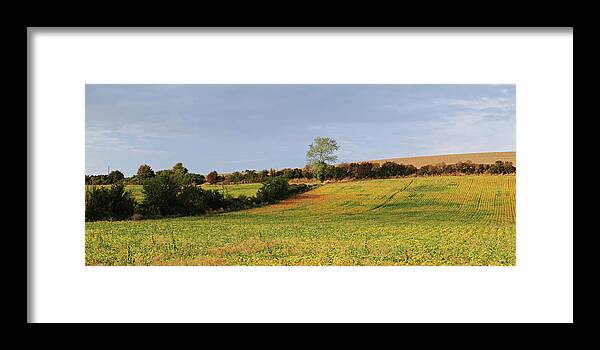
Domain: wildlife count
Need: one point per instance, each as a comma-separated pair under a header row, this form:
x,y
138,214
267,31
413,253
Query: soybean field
x,y
441,220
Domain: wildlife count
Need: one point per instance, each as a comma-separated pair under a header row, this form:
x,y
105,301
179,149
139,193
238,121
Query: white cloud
x,y
481,103
97,139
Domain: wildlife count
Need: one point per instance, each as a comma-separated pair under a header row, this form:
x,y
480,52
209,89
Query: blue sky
x,y
237,127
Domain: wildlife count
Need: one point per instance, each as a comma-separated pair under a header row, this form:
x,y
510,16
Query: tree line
x,y
144,173
345,171
171,193
370,170
176,191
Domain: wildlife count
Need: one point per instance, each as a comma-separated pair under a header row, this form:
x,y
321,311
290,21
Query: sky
x,y
237,127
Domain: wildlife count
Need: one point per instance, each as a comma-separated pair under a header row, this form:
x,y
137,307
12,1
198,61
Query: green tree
x,y
112,203
273,189
179,169
320,153
160,194
115,176
145,172
196,179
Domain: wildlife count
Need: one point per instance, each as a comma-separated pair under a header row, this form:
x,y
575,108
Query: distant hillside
x,y
478,158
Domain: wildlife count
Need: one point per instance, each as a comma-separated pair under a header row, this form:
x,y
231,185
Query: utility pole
x,y
108,172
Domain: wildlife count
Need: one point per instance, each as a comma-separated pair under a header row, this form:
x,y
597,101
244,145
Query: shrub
x,y
363,170
273,189
196,179
500,167
96,180
190,200
337,172
238,203
112,203
298,188
160,195
97,205
307,172
176,194
294,173
213,199
465,167
389,169
481,168
437,169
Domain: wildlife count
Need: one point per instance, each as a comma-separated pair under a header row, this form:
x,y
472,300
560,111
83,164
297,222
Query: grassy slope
x,y
460,220
233,190
478,158
135,190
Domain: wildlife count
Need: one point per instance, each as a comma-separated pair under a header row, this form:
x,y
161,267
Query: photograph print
x,y
300,175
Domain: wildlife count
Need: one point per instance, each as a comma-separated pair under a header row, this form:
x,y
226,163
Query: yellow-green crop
x,y
449,220
248,190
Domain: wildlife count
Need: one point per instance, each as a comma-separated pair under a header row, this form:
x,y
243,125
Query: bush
x,y
465,167
431,169
339,172
363,170
97,180
299,188
196,179
238,203
213,199
500,167
307,172
112,203
190,200
175,194
390,169
294,173
273,189
160,195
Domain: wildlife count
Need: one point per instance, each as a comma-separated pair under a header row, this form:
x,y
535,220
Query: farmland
x,y
135,190
478,158
247,190
232,190
442,220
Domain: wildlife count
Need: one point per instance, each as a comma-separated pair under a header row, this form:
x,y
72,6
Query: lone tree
x,y
320,153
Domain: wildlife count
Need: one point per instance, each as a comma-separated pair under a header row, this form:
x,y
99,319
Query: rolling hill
x,y
478,158
438,220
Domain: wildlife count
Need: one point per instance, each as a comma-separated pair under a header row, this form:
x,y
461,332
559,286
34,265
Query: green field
x,y
135,190
233,190
451,220
248,190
